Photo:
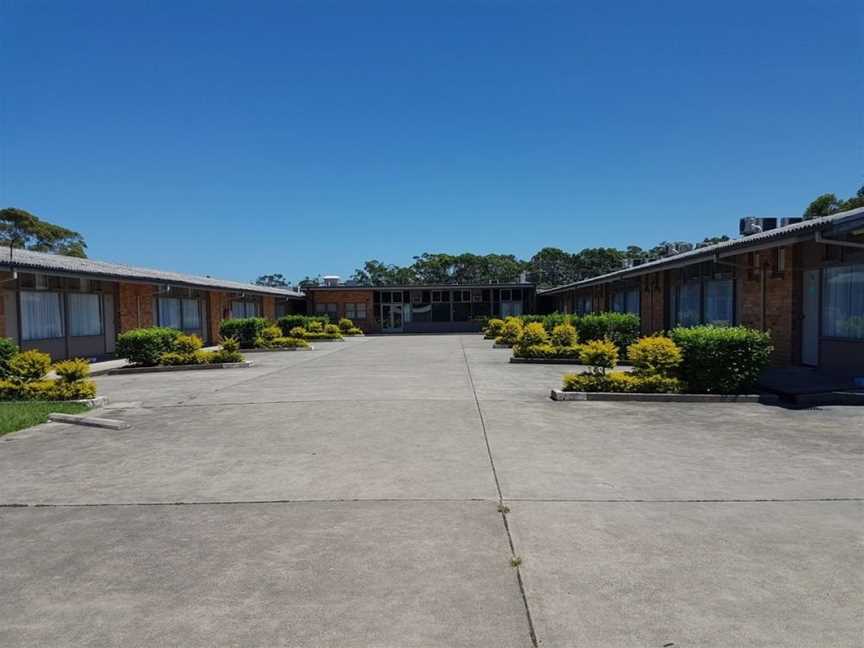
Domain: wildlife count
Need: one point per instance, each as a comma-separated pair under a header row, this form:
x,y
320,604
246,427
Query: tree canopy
x,y
829,203
21,229
272,280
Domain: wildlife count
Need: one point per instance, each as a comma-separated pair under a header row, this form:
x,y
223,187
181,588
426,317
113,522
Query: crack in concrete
x,y
531,631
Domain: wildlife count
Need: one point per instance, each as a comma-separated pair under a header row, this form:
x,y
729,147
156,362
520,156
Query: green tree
x,y
554,267
824,205
856,201
272,280
592,262
21,229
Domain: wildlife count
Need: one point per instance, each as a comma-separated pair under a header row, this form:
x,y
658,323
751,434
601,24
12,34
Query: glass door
x,y
391,318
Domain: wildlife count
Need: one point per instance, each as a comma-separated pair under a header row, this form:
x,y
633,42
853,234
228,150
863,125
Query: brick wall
x,y
342,297
218,304
652,304
135,306
268,307
2,314
782,311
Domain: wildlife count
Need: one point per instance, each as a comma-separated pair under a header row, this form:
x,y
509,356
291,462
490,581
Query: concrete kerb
x,y
89,421
501,346
562,361
170,368
279,350
561,395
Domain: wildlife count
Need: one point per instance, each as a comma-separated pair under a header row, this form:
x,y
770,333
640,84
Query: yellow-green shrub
x,y
297,332
654,355
187,344
621,382
314,326
600,355
510,332
493,328
533,335
72,370
346,325
564,335
28,366
290,343
80,389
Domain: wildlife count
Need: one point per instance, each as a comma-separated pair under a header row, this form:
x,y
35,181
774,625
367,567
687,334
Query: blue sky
x,y
238,138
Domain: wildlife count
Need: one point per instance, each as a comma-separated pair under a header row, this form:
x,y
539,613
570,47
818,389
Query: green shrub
x,y
230,352
29,366
7,349
9,390
203,357
145,346
173,358
620,381
290,343
321,335
533,334
271,332
353,331
600,355
298,332
548,351
510,332
563,335
39,390
656,355
247,330
315,326
288,322
622,328
187,344
332,329
722,359
72,370
80,389
345,325
493,328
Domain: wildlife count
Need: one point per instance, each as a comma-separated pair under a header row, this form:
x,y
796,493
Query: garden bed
x,y
188,367
278,349
561,395
18,415
560,361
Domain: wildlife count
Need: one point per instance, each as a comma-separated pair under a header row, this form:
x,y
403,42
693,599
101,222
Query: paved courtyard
x,y
350,497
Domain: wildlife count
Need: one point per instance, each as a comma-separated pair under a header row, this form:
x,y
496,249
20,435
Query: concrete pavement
x,y
348,497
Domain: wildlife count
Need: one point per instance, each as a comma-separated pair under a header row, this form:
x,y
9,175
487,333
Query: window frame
x,y
823,306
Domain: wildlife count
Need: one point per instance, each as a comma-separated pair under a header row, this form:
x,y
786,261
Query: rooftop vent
x,y
331,281
750,225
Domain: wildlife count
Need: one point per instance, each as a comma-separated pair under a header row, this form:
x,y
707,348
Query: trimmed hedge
x,y
548,351
722,359
622,328
621,381
7,349
246,330
145,346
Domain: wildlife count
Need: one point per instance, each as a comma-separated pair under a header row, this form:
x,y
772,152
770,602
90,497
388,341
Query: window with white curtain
x,y
191,314
355,311
633,301
619,301
687,298
843,302
718,301
169,312
243,309
85,314
41,315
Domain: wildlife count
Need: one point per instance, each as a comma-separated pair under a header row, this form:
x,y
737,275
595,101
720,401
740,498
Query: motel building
x,y
802,281
420,309
70,307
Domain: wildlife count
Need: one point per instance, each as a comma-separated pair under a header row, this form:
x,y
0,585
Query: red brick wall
x,y
268,307
652,305
135,306
218,303
782,310
342,297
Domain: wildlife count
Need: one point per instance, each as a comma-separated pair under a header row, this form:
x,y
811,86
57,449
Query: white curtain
x,y
843,302
85,314
169,312
718,302
688,304
41,316
633,296
191,314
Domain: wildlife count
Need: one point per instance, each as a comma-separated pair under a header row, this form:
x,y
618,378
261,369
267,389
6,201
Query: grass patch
x,y
20,415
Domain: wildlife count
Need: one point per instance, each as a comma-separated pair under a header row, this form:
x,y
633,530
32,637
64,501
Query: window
x,y
632,305
506,294
619,301
169,313
191,314
41,316
843,302
687,298
355,311
85,314
242,309
718,301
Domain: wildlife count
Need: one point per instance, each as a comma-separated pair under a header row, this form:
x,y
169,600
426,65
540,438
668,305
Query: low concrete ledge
x,y
90,421
92,403
501,346
279,350
568,361
561,395
317,340
169,368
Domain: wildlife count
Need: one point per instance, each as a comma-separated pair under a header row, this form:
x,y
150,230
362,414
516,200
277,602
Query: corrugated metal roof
x,y
348,287
39,261
841,219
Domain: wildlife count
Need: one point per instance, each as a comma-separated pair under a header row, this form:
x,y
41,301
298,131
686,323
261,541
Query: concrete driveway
x,y
349,497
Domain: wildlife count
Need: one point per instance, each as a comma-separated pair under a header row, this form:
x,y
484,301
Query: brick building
x,y
72,307
803,282
421,309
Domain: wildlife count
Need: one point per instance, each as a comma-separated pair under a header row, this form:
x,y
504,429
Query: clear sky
x,y
242,138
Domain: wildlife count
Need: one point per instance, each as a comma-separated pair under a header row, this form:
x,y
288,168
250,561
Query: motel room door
x,y
810,323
